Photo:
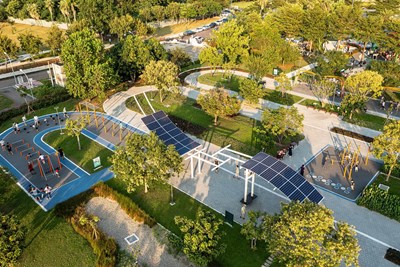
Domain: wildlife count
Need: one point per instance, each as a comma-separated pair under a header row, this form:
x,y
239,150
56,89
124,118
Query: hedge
x,y
381,201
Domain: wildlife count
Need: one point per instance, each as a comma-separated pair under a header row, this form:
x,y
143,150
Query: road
x,y
7,87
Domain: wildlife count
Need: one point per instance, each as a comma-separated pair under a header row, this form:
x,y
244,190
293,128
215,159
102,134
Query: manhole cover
x,y
131,239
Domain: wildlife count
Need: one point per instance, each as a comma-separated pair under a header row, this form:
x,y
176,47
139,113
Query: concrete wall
x,y
43,23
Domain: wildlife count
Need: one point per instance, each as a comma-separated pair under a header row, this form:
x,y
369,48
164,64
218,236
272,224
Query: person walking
x,y
14,125
352,185
57,172
237,172
383,105
65,113
36,120
356,168
24,120
42,159
243,211
17,128
216,162
302,168
290,150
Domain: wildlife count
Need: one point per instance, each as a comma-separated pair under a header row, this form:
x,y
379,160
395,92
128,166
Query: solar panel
x,y
288,181
167,131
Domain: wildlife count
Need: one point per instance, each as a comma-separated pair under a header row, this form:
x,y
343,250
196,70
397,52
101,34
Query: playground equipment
x,y
89,107
47,168
27,150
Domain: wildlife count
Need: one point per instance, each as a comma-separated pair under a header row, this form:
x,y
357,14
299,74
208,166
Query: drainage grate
x,y
131,239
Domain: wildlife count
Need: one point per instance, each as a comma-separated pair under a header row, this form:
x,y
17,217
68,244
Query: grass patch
x,y
13,30
393,183
181,27
367,120
5,102
156,204
276,96
83,158
50,240
69,105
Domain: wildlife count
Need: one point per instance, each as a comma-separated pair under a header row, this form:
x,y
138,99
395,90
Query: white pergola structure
x,y
218,160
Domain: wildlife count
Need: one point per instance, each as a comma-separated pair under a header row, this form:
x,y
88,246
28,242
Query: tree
x,y
7,46
305,234
211,57
163,74
135,55
12,236
386,146
64,9
157,51
202,236
251,90
122,25
259,66
252,229
219,103
30,43
98,14
145,159
55,39
369,29
322,89
351,103
49,4
289,19
282,122
314,25
87,69
179,57
75,127
158,12
283,83
365,84
173,10
331,63
232,42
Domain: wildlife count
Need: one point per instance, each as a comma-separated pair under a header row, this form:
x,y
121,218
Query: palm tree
x,y
49,4
33,11
64,9
92,222
73,5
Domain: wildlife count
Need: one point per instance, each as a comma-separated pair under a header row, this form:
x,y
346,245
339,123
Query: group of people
x,y
40,194
392,105
6,146
289,150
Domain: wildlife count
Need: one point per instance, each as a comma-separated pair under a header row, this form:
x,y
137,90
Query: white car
x,y
199,29
206,27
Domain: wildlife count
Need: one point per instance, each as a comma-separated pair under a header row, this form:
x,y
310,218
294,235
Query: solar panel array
x,y
167,131
291,183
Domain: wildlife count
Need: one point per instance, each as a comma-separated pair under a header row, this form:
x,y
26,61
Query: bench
x,y
384,187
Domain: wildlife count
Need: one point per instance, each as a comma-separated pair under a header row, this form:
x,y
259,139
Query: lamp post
x,y
30,84
58,117
12,68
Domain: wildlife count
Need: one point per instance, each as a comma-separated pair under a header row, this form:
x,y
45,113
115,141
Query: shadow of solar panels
x,y
167,131
288,181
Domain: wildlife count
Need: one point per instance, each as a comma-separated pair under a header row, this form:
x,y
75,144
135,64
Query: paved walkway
x,y
217,190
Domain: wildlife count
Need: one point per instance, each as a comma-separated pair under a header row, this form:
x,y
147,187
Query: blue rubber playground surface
x,y
28,144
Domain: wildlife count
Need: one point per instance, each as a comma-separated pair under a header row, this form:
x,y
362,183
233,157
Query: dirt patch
x,y
352,134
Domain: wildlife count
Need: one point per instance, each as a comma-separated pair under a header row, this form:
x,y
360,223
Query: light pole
x,y
29,83
58,117
12,68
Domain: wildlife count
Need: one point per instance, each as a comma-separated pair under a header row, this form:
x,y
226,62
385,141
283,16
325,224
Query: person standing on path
x,y
3,144
216,162
24,120
302,168
243,211
14,125
30,167
290,150
47,191
352,185
17,128
41,157
60,153
57,172
65,113
9,149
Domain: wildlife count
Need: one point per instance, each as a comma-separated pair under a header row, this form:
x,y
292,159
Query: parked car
x,y
198,29
206,27
187,33
224,20
213,24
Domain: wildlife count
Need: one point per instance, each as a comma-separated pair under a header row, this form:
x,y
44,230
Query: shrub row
x,y
381,201
130,207
104,247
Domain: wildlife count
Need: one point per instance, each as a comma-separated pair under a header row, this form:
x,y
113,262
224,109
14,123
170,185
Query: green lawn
x,y
83,158
50,240
156,204
219,79
69,104
5,102
393,183
367,120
